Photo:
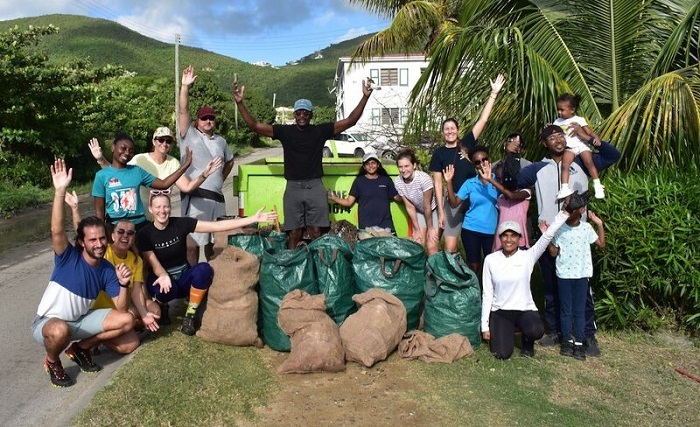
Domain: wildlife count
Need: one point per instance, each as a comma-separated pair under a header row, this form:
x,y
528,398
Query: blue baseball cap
x,y
303,104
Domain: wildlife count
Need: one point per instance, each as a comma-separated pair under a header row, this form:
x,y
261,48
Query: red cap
x,y
206,111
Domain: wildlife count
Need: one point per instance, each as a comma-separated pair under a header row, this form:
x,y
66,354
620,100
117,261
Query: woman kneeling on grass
x,y
163,244
507,301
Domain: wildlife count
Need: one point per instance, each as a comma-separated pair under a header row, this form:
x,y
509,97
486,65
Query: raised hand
x,y
188,158
60,176
71,199
449,172
213,165
595,218
123,273
238,92
188,76
95,149
497,85
367,87
485,170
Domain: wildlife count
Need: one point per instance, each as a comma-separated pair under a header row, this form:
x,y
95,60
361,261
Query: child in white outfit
x,y
579,137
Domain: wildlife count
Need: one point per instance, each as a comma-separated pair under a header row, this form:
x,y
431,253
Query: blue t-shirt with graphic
x,y
574,260
121,190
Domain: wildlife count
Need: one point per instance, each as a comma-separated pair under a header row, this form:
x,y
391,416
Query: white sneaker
x,y
599,191
564,192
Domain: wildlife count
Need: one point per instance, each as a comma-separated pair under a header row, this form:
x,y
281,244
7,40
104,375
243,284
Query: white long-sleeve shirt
x,y
507,279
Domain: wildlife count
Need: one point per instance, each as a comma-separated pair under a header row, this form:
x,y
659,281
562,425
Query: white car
x,y
349,144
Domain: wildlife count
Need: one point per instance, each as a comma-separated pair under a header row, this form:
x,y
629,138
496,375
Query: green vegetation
x,y
105,42
650,269
635,65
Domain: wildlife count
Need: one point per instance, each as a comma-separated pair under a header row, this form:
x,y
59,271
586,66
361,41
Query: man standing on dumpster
x,y
305,198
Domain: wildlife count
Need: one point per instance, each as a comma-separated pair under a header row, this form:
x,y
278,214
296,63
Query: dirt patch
x,y
378,396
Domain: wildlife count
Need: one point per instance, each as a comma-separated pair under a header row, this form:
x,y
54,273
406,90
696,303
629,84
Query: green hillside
x,y
105,42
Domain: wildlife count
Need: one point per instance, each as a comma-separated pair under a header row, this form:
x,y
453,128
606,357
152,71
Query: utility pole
x,y
177,87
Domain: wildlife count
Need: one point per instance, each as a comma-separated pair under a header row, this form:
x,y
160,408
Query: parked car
x,y
349,144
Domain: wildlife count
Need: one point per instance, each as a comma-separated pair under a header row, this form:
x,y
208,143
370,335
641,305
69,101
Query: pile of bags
x,y
327,303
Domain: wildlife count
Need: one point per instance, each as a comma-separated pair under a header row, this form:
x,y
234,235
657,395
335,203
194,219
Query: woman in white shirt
x,y
507,301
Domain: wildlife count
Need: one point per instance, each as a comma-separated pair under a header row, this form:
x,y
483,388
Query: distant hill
x,y
105,42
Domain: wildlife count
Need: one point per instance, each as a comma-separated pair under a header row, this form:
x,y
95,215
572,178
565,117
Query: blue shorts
x,y
85,327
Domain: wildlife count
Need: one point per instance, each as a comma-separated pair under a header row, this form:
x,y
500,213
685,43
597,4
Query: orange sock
x,y
196,297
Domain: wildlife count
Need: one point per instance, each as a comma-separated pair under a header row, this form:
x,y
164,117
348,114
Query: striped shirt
x,y
413,191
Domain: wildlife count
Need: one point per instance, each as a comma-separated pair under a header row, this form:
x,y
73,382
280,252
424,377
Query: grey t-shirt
x,y
204,149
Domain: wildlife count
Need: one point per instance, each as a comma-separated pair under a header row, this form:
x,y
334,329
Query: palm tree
x,y
634,63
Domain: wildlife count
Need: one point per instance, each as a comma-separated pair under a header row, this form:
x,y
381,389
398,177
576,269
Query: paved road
x,y
26,396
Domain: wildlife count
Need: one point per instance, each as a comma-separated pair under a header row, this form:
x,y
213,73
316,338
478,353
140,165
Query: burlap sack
x,y
423,346
371,334
231,315
316,345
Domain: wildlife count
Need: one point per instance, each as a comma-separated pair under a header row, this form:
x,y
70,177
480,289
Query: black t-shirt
x,y
169,245
373,199
303,149
443,156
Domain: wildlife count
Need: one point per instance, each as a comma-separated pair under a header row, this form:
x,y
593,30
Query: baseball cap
x,y
206,111
549,130
509,225
303,104
161,132
370,156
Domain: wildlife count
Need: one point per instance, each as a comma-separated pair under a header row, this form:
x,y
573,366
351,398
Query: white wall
x,y
392,97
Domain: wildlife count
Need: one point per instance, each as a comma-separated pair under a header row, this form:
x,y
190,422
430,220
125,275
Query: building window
x,y
390,116
403,77
374,74
389,77
376,116
403,116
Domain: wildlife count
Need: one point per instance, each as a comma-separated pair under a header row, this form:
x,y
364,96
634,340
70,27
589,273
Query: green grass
x,y
14,199
180,380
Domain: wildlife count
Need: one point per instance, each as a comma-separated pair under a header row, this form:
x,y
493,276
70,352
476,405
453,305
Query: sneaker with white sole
x,y
599,191
564,192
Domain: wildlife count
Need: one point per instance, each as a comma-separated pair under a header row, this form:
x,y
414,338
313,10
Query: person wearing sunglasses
x,y
159,163
163,245
207,201
115,189
305,199
146,312
479,224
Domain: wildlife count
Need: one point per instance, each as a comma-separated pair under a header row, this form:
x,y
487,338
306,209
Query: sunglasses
x,y
207,118
305,113
164,140
478,162
160,192
121,231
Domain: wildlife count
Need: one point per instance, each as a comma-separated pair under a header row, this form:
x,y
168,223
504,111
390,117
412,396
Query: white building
x,y
387,108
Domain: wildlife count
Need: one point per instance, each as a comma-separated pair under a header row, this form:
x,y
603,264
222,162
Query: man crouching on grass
x,y
80,273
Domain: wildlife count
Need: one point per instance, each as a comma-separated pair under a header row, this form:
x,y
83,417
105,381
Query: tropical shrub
x,y
649,272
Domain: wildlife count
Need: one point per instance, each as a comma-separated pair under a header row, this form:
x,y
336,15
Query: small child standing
x,y
574,267
579,137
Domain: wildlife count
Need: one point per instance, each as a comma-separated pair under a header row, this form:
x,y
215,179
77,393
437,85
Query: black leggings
x,y
502,324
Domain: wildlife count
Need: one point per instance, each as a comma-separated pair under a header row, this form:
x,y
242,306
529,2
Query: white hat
x,y
370,156
509,225
161,132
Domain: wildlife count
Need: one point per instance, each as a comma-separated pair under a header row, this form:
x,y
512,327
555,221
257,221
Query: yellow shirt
x,y
134,263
